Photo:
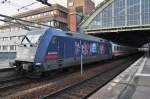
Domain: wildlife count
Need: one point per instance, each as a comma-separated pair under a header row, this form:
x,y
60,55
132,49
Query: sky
x,y
11,6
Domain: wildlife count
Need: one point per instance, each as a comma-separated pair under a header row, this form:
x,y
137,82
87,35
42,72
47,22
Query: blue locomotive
x,y
50,49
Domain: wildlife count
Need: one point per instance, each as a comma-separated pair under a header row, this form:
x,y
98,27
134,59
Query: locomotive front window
x,y
55,40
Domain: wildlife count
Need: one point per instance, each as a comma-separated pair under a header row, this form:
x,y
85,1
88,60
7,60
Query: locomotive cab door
x,y
56,52
61,48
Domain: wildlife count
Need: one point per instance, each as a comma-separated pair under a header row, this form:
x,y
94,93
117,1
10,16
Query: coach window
x,y
119,48
122,48
115,48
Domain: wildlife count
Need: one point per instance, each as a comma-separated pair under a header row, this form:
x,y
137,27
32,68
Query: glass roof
x,y
122,13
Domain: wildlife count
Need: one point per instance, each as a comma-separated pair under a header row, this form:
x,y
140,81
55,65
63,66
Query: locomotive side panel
x,y
66,51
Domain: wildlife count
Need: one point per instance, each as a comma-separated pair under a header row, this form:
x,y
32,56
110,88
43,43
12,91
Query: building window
x,y
45,14
56,23
19,37
2,31
7,30
32,16
52,13
70,3
5,47
42,14
10,29
12,47
52,23
49,23
56,12
28,18
10,38
5,38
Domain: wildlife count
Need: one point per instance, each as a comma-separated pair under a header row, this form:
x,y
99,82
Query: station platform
x,y
4,64
133,83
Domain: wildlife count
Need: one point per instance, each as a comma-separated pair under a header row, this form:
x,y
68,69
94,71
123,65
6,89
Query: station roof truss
x,y
128,21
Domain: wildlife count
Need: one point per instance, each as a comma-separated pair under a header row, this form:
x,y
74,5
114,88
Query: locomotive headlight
x,y
38,63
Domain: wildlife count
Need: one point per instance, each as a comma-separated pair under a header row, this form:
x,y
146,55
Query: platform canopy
x,y
118,15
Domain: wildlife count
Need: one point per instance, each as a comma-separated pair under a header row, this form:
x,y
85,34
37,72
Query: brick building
x,y
77,10
55,16
81,6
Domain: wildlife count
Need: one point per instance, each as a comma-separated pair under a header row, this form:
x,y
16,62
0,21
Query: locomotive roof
x,y
59,32
84,36
77,35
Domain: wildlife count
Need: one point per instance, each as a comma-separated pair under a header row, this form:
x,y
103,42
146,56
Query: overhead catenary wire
x,y
12,4
45,2
18,24
13,18
23,22
24,7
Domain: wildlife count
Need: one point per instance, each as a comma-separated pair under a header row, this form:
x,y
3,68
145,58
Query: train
x,y
121,50
50,49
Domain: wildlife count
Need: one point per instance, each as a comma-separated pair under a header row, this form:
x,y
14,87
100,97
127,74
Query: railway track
x,y
85,88
12,82
7,69
7,72
9,78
